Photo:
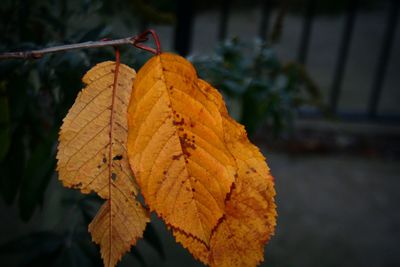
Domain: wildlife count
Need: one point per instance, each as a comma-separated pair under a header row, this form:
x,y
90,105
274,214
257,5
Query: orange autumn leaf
x,y
250,214
92,157
176,147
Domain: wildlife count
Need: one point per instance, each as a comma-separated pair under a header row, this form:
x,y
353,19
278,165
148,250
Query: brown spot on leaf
x,y
186,144
177,157
114,176
78,185
181,122
117,157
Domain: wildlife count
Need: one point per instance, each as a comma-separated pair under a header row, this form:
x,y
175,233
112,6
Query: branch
x,y
135,41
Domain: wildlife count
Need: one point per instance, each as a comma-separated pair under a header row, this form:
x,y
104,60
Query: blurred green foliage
x,y
36,95
258,88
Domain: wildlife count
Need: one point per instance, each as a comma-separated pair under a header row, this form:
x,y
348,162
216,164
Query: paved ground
x,y
333,211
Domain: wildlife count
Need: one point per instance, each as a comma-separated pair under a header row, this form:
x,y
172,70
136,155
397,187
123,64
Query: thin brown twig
x,y
135,41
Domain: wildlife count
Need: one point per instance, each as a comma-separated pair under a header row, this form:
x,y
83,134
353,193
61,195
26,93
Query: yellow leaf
x,y
176,147
92,157
250,213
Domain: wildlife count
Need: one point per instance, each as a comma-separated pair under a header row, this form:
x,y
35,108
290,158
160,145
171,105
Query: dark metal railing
x,y
387,43
343,54
184,25
223,22
265,17
184,34
306,32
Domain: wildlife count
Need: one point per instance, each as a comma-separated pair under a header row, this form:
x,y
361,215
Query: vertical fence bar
x,y
223,21
183,28
265,17
387,43
343,53
306,32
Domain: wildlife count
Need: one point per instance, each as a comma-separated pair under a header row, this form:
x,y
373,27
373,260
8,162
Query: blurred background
x,y
316,84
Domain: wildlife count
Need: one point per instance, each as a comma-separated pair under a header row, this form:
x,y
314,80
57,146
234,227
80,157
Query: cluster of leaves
x,y
41,100
31,109
257,86
196,167
59,95
193,164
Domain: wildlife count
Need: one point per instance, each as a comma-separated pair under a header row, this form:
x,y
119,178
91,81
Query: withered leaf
x,y
250,213
92,156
